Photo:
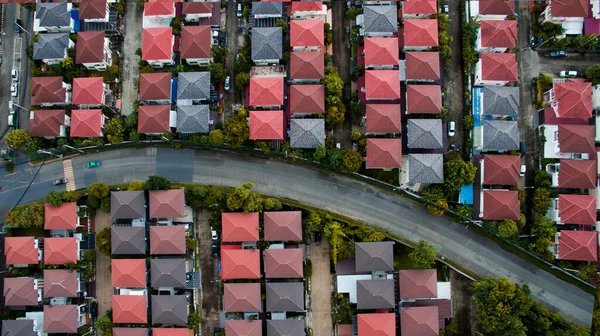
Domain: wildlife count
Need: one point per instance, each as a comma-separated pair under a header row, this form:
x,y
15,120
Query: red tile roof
x,y
196,41
381,51
306,6
421,33
423,99
384,153
307,33
283,225
499,33
569,8
424,65
167,239
414,7
577,209
157,44
88,91
170,332
284,263
63,217
574,99
20,292
92,9
46,123
243,328
60,319
266,125
128,272
240,264
307,99
45,90
307,65
162,7
90,47
242,297
499,67
377,324
578,174
60,251
501,205
239,226
266,91
501,169
345,330
154,119
383,118
578,245
167,203
20,250
496,7
155,86
86,123
422,321
197,8
418,284
130,331
382,84
130,309
60,283
576,138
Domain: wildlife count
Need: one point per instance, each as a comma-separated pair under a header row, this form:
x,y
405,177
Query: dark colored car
x,y
558,53
94,309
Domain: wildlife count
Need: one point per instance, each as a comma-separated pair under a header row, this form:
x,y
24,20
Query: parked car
x,y
60,181
92,164
214,234
13,90
227,83
445,10
558,53
451,129
0,59
239,10
14,75
94,309
523,170
215,249
568,73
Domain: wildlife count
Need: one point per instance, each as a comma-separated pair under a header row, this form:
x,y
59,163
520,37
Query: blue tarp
x,y
466,195
477,105
174,89
75,17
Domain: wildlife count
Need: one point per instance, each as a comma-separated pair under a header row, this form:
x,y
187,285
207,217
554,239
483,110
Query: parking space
x,y
573,61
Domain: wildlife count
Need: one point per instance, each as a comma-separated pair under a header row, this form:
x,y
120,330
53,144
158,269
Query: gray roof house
x,y
371,257
128,240
193,119
289,327
127,204
266,43
18,328
500,135
500,100
380,20
51,17
167,273
193,86
424,133
169,309
266,10
307,133
425,168
52,47
375,294
285,296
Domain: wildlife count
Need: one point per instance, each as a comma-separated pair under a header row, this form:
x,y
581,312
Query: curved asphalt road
x,y
313,187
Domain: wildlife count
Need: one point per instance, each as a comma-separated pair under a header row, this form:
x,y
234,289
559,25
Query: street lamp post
x,y
73,148
17,105
23,28
41,151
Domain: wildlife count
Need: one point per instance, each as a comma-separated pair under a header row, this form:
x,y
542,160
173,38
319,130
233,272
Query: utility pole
x,y
73,148
41,151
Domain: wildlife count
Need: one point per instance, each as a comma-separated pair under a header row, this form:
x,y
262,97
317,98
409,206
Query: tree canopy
x,y
217,73
195,196
98,190
155,182
541,200
351,160
424,255
236,129
20,139
103,241
114,131
26,215
458,173
55,198
243,198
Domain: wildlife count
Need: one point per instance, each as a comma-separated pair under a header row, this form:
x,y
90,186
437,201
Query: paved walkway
x,y
103,278
321,289
130,70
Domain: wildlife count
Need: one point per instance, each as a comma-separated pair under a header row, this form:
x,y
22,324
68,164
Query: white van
x,y
239,10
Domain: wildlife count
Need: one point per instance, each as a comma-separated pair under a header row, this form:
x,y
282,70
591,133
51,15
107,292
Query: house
x,y
94,11
496,69
419,9
155,88
306,99
167,273
194,11
419,321
383,324
87,123
420,34
499,135
496,35
158,13
424,133
492,9
383,118
239,227
307,35
50,91
133,331
18,328
380,20
128,273
384,153
93,50
382,85
62,319
423,99
196,44
266,45
52,48
573,209
242,297
166,203
422,66
573,174
496,101
570,100
266,92
263,10
244,327
287,327
381,53
193,87
307,133
48,123
417,284
500,169
169,309
374,257
89,91
170,331
21,251
306,67
577,245
154,119
308,10
157,46
127,204
167,240
21,292
130,309
128,240
61,251
63,217
500,205
375,294
193,119
284,263
425,168
61,283
285,296
568,141
568,13
240,264
267,125
283,226
53,18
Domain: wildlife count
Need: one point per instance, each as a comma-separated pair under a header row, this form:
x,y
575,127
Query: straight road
x,y
328,191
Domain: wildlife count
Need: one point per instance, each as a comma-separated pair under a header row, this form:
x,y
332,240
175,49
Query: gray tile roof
x,y
193,85
424,133
425,168
128,240
267,8
500,100
266,42
167,273
50,46
53,14
307,133
127,204
370,257
285,328
381,19
500,135
375,294
285,296
17,328
193,119
169,309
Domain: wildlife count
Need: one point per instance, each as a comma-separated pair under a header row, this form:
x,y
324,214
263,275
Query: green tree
x,y
423,256
320,154
98,190
71,196
155,182
236,129
433,193
194,320
176,25
542,179
464,210
20,139
282,24
334,233
67,65
508,229
216,137
55,198
272,204
217,73
334,86
114,131
242,64
438,208
352,160
103,241
314,222
468,122
215,196
195,196
105,205
593,74
242,80
458,173
243,198
450,330
357,111
26,215
334,116
351,13
342,309
541,200
131,121
136,185
219,54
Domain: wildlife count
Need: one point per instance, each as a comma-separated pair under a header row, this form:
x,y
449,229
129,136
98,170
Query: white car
x,y
13,90
523,170
14,75
568,73
214,234
451,128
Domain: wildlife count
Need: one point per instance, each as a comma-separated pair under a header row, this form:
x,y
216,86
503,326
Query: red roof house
x,y
283,225
420,33
167,239
86,123
419,321
382,84
501,205
89,10
128,272
20,292
578,174
501,67
307,65
574,99
60,251
419,7
47,123
384,153
239,226
380,51
243,327
60,319
422,65
307,33
570,8
496,7
63,217
383,118
48,90
170,332
425,99
90,47
242,297
60,283
501,169
382,324
284,263
307,6
498,34
240,264
576,138
160,8
578,245
577,209
130,331
266,125
307,99
154,119
130,309
266,91
20,251
196,41
88,91
197,8
418,284
157,43
155,86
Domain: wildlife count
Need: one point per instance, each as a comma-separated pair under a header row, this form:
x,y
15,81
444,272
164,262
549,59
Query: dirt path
x,y
208,267
235,40
103,279
461,302
130,71
321,290
454,80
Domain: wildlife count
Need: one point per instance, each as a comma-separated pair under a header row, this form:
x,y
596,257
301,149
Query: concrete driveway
x,y
574,61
